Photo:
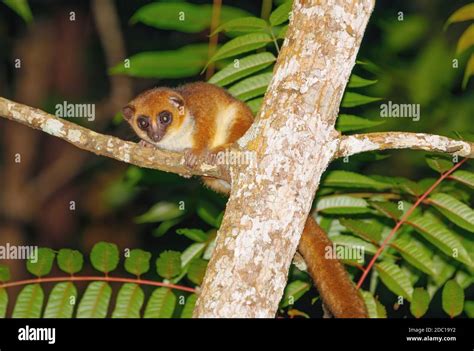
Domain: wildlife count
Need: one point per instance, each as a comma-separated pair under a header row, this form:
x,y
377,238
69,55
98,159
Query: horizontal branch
x,y
73,278
354,144
106,145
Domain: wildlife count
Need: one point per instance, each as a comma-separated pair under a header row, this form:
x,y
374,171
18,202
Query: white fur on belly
x,y
224,121
180,139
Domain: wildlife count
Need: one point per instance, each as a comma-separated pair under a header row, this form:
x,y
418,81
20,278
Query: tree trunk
x,y
293,140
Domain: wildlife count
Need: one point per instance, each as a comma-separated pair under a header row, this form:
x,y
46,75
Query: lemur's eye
x,y
165,117
143,122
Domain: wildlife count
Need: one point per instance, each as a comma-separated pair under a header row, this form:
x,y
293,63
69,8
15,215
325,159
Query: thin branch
x,y
106,145
404,220
98,278
354,144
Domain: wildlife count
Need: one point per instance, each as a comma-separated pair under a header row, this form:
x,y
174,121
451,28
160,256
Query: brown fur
x,y
204,101
338,292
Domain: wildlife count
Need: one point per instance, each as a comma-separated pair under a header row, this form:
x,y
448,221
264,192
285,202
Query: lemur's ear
x,y
128,112
177,101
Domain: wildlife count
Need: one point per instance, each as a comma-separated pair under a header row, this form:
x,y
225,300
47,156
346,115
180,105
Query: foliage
x,y
466,41
21,7
134,298
430,258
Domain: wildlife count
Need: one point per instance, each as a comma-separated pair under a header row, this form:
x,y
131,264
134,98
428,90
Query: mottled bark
x,y
105,145
294,140
355,144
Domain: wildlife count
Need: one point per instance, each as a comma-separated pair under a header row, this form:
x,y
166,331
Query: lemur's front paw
x,y
190,158
145,143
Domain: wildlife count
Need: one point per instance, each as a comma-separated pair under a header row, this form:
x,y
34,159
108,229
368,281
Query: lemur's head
x,y
155,114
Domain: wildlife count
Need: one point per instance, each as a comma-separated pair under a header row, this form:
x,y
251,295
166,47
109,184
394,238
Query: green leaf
x,y
61,301
366,230
243,24
466,40
241,44
381,311
455,210
282,32
465,13
464,177
453,298
138,262
197,235
161,211
420,302
353,242
95,302
161,304
345,179
357,82
183,17
255,105
242,68
251,87
29,302
43,262
444,270
469,309
351,99
439,164
187,61
469,71
409,186
196,270
293,292
168,265
129,301
395,279
414,253
3,302
342,204
371,304
348,123
193,251
387,208
189,306
281,13
165,226
70,261
4,273
442,238
22,9
464,279
104,257
208,212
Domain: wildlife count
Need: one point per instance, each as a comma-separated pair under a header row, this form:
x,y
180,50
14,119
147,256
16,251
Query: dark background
x,y
64,61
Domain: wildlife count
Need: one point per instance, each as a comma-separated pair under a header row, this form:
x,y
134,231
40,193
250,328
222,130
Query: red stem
x,y
98,278
403,220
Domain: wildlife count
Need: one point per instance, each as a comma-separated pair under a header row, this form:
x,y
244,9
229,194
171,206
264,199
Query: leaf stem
x,y
404,219
96,278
